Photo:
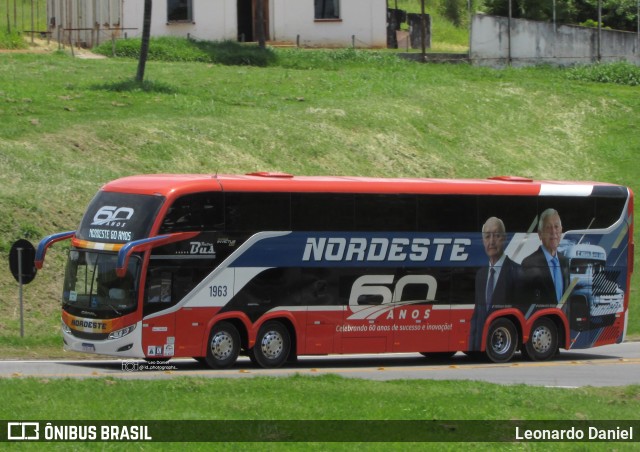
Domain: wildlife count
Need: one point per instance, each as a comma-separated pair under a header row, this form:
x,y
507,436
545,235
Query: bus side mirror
x,y
46,242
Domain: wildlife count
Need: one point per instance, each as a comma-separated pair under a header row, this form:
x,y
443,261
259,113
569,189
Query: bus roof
x,y
171,185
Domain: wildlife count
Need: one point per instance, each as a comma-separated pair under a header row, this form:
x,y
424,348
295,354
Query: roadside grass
x,y
69,125
326,397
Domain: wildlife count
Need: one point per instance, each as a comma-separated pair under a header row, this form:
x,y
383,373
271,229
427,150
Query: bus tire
x,y
223,346
502,340
273,345
543,340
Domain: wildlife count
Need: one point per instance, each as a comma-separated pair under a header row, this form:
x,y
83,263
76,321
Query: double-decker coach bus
x,y
275,266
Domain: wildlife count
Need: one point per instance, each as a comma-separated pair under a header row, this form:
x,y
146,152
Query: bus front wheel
x,y
273,345
224,346
543,340
502,340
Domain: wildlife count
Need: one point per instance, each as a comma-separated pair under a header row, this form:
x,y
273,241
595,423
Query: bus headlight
x,y
121,332
65,328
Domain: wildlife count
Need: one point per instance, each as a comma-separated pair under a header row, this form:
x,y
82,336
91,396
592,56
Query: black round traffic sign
x,y
28,261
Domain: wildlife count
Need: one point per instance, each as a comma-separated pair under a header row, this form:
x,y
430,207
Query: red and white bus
x,y
275,266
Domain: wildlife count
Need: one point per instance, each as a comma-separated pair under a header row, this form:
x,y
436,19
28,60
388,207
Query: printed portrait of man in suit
x,y
496,284
546,272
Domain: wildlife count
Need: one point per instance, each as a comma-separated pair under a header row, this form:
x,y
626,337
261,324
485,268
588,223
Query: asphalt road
x,y
613,365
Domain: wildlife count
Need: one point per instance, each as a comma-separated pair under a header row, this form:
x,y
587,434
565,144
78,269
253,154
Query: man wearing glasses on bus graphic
x,y
496,284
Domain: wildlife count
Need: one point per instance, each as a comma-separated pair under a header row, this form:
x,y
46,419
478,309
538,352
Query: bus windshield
x,y
91,284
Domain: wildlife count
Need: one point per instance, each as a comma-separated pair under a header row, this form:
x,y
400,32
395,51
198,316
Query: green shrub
x,y
455,11
12,40
173,49
622,73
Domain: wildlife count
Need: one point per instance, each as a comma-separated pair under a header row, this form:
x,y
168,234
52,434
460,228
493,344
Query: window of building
x,y
179,10
327,9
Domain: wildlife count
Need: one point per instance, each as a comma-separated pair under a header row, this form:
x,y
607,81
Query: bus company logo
x,y
205,248
381,249
23,431
112,216
88,325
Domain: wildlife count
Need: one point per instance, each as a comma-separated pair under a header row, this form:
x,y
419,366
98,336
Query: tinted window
x,y
584,212
322,212
517,212
447,213
575,212
118,217
195,212
385,213
257,211
608,211
168,281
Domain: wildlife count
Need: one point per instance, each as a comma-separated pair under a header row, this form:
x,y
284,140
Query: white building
x,y
312,23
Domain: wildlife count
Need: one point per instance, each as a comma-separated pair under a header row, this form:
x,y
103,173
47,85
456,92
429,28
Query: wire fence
x,y
23,16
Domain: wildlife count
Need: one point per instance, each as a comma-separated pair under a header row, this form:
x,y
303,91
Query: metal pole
x,y
599,28
423,33
20,291
8,19
32,22
509,36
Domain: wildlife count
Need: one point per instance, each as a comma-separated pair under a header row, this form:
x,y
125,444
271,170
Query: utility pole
x,y
260,24
509,34
599,42
144,47
423,33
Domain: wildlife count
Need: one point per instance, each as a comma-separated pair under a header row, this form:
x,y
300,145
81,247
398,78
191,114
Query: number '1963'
x,y
217,291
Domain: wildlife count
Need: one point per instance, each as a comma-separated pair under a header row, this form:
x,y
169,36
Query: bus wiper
x,y
115,310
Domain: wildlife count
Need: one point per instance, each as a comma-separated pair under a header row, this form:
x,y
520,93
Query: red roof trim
x,y
175,185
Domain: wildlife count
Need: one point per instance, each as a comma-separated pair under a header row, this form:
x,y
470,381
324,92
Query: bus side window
x,y
158,287
257,211
518,213
385,213
309,211
195,212
168,281
447,213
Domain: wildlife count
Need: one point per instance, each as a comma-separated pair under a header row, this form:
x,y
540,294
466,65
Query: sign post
x,y
22,265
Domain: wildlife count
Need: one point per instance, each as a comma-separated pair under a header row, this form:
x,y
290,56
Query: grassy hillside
x,y
69,125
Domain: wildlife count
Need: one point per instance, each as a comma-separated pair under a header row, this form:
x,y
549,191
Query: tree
x,y
617,14
144,47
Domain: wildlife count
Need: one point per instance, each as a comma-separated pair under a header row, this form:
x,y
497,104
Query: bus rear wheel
x,y
223,346
273,345
502,340
543,340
